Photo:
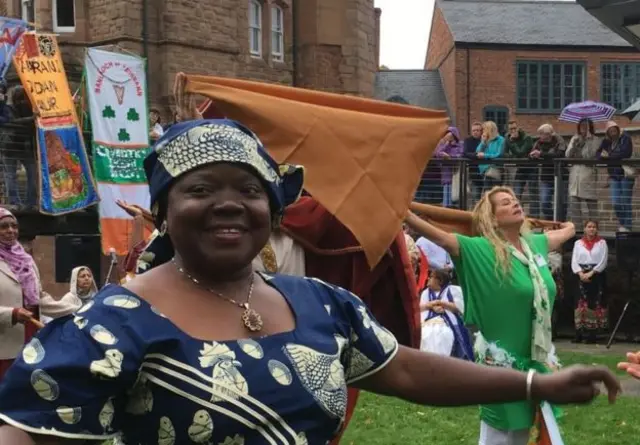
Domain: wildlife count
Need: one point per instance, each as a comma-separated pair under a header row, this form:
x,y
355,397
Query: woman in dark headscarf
x,y
204,340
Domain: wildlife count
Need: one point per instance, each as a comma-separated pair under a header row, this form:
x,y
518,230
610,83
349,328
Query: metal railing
x,y
19,184
558,189
18,166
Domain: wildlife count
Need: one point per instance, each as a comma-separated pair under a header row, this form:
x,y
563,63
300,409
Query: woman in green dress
x,y
509,294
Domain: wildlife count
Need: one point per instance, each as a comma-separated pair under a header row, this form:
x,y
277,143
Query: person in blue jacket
x,y
491,146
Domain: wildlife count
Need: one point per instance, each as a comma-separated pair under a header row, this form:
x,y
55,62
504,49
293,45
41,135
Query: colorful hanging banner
x,y
10,32
66,182
117,96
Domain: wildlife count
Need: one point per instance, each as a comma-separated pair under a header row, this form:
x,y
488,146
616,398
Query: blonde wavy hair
x,y
490,129
485,224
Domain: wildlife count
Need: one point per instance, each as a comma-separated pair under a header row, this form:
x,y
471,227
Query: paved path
x,y
630,387
619,349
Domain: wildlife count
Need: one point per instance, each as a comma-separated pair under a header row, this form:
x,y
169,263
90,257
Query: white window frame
x,y
255,24
277,32
25,6
54,11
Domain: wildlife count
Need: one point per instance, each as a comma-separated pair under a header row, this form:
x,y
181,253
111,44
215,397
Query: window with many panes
x,y
277,33
255,27
549,86
499,115
620,84
64,15
27,10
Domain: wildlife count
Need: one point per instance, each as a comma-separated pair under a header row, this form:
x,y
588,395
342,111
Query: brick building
x,y
507,59
321,44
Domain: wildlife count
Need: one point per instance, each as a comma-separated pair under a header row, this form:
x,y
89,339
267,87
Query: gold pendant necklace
x,y
250,317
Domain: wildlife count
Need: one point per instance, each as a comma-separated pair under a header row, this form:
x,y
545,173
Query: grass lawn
x,y
386,421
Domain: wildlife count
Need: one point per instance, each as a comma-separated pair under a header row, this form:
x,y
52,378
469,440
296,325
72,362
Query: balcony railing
x,y
546,188
559,189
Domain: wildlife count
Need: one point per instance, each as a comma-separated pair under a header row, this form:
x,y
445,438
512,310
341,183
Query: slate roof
x,y
416,87
526,22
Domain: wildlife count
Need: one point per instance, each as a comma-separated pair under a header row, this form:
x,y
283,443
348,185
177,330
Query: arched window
x,y
398,99
255,28
277,33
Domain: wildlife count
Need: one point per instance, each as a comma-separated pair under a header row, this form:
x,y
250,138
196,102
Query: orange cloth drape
x,y
459,221
364,158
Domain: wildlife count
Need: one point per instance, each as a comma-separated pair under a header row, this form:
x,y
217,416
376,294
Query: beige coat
x,y
583,178
11,336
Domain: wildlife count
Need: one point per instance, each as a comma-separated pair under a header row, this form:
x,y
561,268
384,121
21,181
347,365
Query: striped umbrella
x,y
596,111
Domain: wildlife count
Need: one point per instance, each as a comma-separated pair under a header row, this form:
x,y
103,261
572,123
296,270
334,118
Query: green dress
x,y
501,308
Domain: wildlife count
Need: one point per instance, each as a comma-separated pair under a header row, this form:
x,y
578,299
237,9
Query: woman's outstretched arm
x,y
10,435
446,240
430,379
557,238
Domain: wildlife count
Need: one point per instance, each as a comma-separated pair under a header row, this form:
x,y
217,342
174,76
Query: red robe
x,y
333,254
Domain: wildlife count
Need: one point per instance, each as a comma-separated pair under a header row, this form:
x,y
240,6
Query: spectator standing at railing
x,y
20,148
549,146
582,178
449,147
470,145
617,145
518,145
491,147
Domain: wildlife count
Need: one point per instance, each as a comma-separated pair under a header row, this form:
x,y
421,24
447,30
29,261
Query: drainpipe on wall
x,y
294,38
468,92
145,37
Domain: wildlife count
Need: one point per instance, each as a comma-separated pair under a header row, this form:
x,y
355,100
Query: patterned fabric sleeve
x,y
370,346
69,381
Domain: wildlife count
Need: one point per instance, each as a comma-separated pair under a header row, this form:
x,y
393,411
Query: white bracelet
x,y
530,375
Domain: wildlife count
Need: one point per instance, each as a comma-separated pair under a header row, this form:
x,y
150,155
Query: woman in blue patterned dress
x,y
201,349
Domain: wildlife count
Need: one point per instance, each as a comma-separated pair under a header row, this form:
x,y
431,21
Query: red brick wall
x,y
493,82
43,251
440,41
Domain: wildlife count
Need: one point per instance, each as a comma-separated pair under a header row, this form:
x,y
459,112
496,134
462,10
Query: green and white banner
x,y
117,97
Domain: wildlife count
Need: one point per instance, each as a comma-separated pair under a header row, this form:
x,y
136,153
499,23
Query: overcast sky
x,y
405,26
404,32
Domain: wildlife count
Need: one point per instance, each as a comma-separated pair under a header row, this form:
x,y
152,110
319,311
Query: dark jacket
x,y
554,148
469,152
519,147
622,150
6,114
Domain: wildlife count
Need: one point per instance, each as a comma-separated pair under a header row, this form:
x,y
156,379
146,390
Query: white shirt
x,y
289,255
458,300
599,256
437,256
157,128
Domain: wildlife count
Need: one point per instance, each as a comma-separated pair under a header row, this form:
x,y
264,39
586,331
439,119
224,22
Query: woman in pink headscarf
x,y
20,291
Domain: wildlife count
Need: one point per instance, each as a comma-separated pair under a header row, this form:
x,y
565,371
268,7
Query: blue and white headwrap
x,y
192,144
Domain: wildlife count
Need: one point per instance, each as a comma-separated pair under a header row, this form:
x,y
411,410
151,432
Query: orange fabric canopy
x,y
363,158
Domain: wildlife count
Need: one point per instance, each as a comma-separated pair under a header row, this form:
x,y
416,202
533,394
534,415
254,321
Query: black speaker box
x,y
77,250
628,250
